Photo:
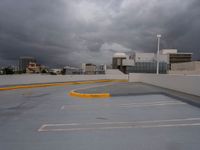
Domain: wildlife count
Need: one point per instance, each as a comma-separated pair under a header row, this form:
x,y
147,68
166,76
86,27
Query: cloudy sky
x,y
70,32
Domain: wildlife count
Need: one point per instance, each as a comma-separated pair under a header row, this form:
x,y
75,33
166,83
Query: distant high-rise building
x,y
24,62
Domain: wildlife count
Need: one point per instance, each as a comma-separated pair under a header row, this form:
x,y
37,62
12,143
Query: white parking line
x,y
63,107
120,125
155,102
127,105
150,105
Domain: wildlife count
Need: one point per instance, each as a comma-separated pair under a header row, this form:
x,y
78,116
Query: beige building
x,y
24,62
89,68
185,68
33,68
176,57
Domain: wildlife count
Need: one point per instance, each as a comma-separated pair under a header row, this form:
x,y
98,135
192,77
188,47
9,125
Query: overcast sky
x,y
70,32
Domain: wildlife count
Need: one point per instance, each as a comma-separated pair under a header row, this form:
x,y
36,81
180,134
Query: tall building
x,y
24,62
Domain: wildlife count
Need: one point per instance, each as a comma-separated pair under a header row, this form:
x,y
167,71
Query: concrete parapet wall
x,y
187,66
187,72
37,78
114,71
183,83
117,77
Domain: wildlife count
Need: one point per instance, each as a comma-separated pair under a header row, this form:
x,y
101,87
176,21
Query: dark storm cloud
x,y
64,32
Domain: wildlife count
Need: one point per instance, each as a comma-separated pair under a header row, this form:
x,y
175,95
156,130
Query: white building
x,y
117,61
146,62
88,68
128,62
150,57
101,69
139,62
55,71
144,57
168,51
72,70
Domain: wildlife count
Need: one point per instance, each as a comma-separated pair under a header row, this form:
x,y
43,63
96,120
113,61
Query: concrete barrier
x,y
6,80
183,83
117,77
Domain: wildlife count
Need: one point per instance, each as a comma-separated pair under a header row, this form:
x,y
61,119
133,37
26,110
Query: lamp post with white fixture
x,y
158,52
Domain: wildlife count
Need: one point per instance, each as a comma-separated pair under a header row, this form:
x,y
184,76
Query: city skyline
x,y
64,32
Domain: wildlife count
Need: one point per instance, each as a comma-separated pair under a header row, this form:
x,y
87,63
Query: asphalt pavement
x,y
49,119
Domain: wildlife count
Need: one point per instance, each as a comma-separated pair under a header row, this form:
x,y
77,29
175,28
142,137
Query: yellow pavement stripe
x,y
56,84
90,95
85,95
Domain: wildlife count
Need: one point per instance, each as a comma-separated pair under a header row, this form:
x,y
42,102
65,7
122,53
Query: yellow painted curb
x,y
96,95
56,84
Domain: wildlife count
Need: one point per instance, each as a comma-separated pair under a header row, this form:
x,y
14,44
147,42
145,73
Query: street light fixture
x,y
158,52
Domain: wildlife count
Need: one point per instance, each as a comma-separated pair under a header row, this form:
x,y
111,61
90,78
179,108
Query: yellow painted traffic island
x,y
87,95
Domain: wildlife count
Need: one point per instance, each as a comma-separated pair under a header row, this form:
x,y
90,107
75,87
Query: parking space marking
x,y
63,107
120,125
125,105
153,104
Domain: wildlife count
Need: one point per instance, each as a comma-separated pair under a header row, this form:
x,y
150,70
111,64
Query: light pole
x,y
158,52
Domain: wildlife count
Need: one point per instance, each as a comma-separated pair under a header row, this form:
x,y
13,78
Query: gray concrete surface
x,y
49,119
136,88
183,83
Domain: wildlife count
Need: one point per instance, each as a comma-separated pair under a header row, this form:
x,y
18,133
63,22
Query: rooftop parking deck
x,y
137,116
